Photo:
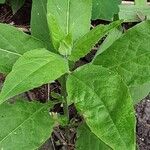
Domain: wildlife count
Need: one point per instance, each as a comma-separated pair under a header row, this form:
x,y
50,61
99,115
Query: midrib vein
x,y
68,16
7,51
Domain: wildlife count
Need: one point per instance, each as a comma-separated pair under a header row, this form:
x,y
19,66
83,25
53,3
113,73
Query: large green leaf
x,y
24,125
86,140
129,56
68,17
105,103
39,26
14,43
16,4
105,9
84,44
33,69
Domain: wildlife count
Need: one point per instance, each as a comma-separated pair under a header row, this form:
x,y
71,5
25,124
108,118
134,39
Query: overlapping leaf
x,y
24,125
104,101
68,17
84,44
33,69
13,44
113,35
129,56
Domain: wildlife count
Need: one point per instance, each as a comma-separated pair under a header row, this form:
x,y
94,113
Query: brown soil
x,y
143,124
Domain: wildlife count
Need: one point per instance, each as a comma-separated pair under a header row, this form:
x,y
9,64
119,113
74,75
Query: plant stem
x,y
65,105
48,91
64,94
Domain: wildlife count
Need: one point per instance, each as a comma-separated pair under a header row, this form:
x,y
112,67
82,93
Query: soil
x,y
143,124
58,139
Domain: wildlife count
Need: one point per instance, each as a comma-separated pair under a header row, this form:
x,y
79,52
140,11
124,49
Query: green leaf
x,y
33,69
86,140
66,46
68,17
114,35
39,26
13,44
140,92
105,103
141,2
134,13
16,5
129,56
83,45
24,125
105,9
2,1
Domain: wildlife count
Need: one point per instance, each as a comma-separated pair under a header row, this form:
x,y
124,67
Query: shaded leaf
x,y
16,4
105,103
105,9
24,125
33,69
39,26
129,56
13,44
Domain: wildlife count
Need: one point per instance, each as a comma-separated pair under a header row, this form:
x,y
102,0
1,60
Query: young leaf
x,y
16,5
24,125
68,17
129,56
33,69
105,103
66,46
39,26
86,140
83,45
105,9
13,44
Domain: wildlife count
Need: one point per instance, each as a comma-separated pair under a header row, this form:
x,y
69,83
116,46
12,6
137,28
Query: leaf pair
x,y
57,19
68,31
39,66
64,21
